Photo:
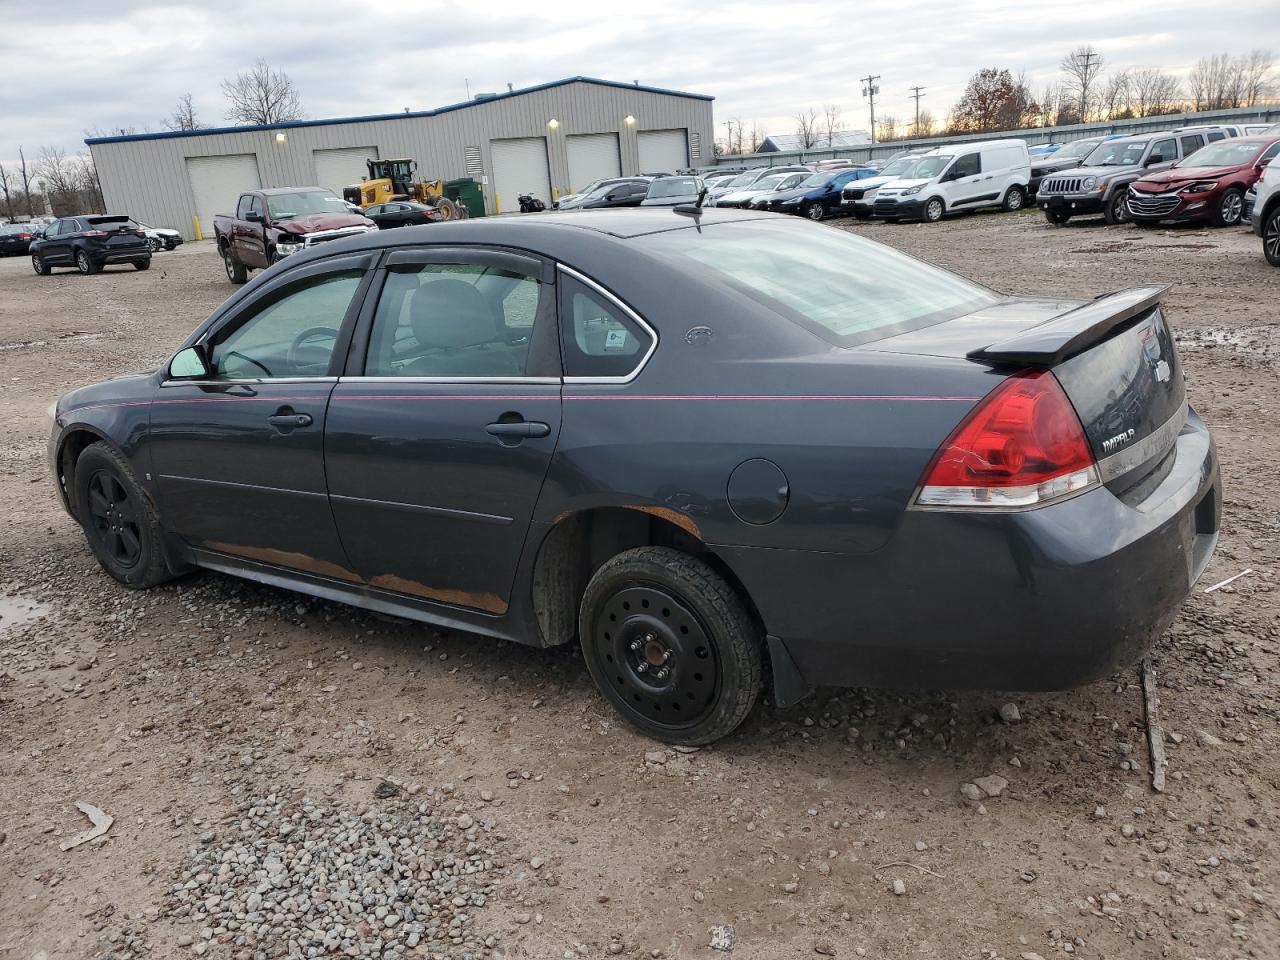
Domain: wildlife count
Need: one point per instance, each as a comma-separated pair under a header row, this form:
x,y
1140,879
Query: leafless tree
x,y
1257,77
9,188
887,128
1211,83
831,121
1115,98
758,136
1082,66
26,173
184,115
61,180
728,137
262,96
807,127
923,127
1152,92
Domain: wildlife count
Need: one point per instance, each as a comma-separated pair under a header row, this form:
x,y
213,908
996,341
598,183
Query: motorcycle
x,y
530,204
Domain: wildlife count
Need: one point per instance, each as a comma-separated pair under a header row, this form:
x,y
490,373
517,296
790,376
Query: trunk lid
x,y
1114,356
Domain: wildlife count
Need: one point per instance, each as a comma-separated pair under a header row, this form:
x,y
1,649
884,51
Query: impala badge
x,y
1119,440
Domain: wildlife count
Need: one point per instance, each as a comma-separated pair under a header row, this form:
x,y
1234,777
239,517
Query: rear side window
x,y
1163,151
1190,145
598,338
843,288
1214,137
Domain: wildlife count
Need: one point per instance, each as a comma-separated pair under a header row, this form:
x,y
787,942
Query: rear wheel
x,y
671,645
1056,217
815,211
1230,208
39,266
934,208
1013,200
1271,237
84,264
236,271
142,264
1117,210
119,522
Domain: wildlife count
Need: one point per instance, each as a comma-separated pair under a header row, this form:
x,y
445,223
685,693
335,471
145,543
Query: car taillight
x,y
24,236
1022,446
95,233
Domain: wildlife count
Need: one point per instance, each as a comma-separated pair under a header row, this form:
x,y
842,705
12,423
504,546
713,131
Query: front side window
x,y
843,288
599,339
967,166
242,208
293,336
457,320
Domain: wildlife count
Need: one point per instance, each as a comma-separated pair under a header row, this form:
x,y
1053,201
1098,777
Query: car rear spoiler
x,y
1067,334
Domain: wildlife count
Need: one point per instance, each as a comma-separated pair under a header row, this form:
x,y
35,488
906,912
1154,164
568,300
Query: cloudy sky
x,y
88,65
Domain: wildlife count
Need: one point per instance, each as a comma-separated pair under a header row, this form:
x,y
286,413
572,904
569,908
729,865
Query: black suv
x,y
90,243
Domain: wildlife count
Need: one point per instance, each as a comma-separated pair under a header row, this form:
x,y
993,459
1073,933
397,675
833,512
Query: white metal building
x,y
546,140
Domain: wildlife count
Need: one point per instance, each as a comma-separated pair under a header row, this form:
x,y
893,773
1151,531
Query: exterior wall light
x,y
553,124
629,120
281,138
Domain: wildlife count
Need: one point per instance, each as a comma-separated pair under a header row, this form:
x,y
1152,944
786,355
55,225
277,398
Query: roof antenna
x,y
510,89
692,209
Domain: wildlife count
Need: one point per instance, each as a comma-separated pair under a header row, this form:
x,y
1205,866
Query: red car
x,y
1208,185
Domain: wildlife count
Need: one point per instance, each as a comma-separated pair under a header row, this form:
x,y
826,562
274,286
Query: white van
x,y
969,176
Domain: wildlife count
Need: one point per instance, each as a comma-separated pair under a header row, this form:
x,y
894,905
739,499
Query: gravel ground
x,y
289,777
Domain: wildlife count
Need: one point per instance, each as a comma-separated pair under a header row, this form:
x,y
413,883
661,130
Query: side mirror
x,y
1264,163
611,196
188,364
253,216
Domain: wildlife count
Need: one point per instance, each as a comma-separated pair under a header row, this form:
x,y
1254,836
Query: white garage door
x,y
217,182
663,151
519,166
592,156
336,169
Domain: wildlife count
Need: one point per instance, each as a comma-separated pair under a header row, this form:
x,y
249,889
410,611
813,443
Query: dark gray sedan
x,y
700,445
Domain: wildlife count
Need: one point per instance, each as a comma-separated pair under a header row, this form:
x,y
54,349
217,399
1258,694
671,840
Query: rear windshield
x,y
844,288
673,187
1079,148
111,223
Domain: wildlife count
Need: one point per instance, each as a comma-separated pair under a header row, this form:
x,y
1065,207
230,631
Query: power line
x,y
870,90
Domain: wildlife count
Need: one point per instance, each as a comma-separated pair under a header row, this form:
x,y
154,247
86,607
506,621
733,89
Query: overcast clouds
x,y
86,65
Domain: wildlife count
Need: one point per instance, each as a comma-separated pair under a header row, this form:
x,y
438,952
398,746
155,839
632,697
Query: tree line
x,y
53,182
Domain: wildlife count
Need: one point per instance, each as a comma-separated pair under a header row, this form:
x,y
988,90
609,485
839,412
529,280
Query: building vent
x,y
475,166
695,146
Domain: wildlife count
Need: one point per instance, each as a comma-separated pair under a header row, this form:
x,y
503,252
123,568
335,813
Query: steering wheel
x,y
311,333
260,366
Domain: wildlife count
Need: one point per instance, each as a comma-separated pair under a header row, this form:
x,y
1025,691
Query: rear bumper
x,y
1073,204
131,255
1041,600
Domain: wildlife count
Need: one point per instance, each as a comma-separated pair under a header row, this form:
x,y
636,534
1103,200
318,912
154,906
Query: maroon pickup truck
x,y
272,224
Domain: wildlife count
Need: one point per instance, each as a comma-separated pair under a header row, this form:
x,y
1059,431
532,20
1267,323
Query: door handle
x,y
520,429
290,421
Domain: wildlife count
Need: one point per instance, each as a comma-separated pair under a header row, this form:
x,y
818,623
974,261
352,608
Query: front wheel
x,y
933,210
1117,210
671,645
156,244
1271,238
119,521
815,211
1013,200
237,273
142,264
1056,217
1230,208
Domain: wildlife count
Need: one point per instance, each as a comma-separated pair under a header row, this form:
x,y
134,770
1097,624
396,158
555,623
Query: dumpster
x,y
468,193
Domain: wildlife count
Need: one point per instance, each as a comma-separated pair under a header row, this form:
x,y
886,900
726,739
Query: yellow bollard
x,y
196,220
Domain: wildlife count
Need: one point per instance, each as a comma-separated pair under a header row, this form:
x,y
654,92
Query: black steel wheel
x,y
119,521
1271,237
671,645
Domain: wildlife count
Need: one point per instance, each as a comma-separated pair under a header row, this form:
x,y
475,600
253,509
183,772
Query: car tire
x,y
156,244
1014,199
1117,211
1271,237
1230,209
237,272
671,645
119,522
1056,217
815,211
39,266
933,210
84,264
142,264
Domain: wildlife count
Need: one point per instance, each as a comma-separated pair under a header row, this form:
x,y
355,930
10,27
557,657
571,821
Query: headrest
x,y
451,314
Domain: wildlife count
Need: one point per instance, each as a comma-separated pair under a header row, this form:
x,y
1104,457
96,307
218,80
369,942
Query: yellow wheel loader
x,y
391,180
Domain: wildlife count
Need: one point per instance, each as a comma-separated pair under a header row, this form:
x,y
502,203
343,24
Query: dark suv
x,y
90,243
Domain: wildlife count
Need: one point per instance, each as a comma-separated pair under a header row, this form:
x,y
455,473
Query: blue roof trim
x,y
293,124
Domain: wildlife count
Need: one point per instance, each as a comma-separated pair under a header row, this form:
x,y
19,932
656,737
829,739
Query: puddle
x,y
1260,343
15,611
58,341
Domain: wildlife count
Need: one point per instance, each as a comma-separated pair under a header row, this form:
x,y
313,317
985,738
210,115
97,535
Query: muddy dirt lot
x,y
240,735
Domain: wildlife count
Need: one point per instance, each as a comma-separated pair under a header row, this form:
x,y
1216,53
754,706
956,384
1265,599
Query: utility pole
x,y
870,90
1086,81
917,94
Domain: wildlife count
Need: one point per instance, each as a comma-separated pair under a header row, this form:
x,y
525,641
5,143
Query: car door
x,y
54,250
238,449
1162,154
441,431
964,184
252,236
